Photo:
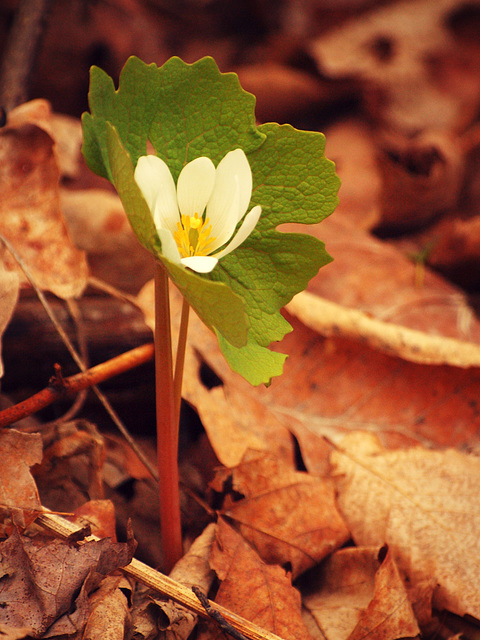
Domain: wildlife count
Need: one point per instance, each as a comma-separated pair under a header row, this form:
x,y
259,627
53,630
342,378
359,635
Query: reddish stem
x,y
167,427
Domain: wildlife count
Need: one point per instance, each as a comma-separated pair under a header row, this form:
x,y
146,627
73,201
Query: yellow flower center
x,y
193,236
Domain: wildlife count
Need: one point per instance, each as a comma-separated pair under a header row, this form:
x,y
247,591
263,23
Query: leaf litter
x,y
407,503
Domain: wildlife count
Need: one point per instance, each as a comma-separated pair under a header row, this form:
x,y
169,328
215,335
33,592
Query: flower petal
x,y
169,246
200,264
242,234
195,185
235,163
222,211
158,188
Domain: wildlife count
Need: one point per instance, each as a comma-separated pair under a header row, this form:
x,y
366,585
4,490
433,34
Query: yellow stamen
x,y
193,236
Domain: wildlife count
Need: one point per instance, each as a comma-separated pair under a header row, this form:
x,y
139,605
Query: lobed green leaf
x,y
186,111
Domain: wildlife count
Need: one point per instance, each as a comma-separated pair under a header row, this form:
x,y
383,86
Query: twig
x,y
66,340
21,51
82,342
162,583
59,387
215,614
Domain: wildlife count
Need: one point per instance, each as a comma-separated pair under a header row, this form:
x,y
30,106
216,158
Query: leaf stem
x,y
180,357
167,426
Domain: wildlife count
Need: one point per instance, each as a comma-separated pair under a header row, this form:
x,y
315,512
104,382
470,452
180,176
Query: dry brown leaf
x,y
18,492
9,286
421,178
424,508
30,215
356,591
329,386
71,469
350,144
109,617
99,226
288,517
261,593
404,54
281,92
42,581
99,515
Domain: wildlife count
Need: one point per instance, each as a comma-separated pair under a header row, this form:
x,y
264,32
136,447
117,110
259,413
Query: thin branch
x,y
77,359
215,614
61,387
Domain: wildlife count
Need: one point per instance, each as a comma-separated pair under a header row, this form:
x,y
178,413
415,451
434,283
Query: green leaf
x,y
186,111
293,182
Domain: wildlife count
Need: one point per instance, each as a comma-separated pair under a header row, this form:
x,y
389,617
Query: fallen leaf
x,y
357,592
30,215
288,517
99,515
42,582
401,55
421,179
109,617
282,92
352,146
71,469
99,226
329,386
376,278
9,286
18,492
260,593
424,509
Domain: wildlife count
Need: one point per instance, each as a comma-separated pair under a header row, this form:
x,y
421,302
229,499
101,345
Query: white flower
x,y
199,216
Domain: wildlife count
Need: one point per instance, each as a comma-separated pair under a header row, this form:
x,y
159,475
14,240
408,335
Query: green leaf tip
x,y
181,112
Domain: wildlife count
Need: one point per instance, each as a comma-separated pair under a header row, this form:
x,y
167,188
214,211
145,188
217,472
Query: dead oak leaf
x,y
260,593
42,581
357,592
289,517
423,504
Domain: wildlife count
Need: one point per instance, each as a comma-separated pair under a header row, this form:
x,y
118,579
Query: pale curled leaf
x,y
424,509
332,319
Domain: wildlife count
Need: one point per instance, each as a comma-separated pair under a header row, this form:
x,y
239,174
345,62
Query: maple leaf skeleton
x,y
196,219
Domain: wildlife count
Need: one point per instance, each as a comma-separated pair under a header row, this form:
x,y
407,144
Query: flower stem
x,y
180,358
167,426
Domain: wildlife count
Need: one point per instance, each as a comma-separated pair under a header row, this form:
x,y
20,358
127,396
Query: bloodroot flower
x,y
197,219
